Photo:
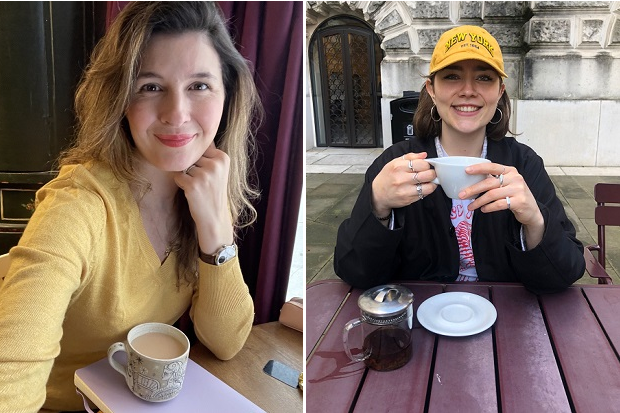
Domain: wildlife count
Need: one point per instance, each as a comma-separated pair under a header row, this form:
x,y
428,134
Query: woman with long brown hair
x,y
509,227
139,226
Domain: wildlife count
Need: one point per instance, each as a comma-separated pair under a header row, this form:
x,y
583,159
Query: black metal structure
x,y
402,111
346,84
44,47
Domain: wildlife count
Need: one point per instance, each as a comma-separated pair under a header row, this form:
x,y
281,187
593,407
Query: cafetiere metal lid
x,y
385,301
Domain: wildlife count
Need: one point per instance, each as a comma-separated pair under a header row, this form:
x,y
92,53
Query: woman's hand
x,y
397,184
205,184
506,189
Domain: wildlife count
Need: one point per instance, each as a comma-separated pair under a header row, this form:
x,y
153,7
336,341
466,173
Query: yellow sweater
x,y
84,273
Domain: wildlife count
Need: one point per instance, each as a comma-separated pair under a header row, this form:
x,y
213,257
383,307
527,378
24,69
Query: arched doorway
x,y
346,83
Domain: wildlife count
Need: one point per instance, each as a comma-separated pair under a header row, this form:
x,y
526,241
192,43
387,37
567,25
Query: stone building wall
x,y
562,59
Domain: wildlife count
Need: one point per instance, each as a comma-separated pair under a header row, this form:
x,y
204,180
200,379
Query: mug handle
x,y
436,180
345,340
115,364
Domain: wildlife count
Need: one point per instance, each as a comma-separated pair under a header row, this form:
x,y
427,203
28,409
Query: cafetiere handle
x,y
345,340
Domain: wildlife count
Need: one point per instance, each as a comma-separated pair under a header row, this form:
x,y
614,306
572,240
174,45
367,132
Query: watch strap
x,y
208,258
217,258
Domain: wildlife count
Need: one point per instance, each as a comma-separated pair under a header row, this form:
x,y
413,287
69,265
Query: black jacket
x,y
423,245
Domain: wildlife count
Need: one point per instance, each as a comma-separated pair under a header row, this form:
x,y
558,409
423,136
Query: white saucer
x,y
457,314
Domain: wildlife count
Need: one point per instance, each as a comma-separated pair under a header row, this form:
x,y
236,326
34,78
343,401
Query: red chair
x,y
603,215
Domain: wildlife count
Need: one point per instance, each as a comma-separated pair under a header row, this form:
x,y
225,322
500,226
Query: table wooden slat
x,y
403,390
333,379
591,371
529,378
606,302
244,372
318,315
464,374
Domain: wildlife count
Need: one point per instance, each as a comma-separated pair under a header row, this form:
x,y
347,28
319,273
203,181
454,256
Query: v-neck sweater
x,y
83,274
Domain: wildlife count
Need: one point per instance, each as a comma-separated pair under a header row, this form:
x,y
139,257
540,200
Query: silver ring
x,y
508,201
411,165
501,180
497,176
189,168
418,188
415,178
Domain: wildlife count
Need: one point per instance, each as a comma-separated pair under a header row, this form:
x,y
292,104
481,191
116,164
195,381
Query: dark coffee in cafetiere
x,y
386,323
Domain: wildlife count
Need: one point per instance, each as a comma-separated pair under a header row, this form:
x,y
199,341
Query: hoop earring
x,y
436,120
501,115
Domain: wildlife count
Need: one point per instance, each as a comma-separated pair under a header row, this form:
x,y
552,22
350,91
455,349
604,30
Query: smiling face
x,y
178,101
466,95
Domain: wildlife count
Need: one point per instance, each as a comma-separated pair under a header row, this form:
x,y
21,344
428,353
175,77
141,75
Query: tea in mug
x,y
158,346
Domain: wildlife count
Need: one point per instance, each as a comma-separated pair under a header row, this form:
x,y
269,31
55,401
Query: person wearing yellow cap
x,y
509,227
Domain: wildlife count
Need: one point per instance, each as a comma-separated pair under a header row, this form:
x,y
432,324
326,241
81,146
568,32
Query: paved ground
x,y
330,198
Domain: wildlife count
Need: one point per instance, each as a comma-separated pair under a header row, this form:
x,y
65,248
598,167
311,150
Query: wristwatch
x,y
223,255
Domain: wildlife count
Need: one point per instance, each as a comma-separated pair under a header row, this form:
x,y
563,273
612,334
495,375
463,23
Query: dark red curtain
x,y
114,8
270,36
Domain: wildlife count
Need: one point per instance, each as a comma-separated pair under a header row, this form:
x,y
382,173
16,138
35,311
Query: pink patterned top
x,y
461,221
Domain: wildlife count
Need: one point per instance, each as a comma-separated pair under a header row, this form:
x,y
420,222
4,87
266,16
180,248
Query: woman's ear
x,y
430,90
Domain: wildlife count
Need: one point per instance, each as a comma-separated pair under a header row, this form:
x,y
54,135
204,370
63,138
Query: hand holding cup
x,y
451,174
401,182
505,189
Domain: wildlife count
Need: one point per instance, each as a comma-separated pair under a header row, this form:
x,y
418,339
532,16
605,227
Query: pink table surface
x,y
545,353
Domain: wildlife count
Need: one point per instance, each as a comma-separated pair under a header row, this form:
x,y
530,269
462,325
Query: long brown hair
x,y
108,84
427,128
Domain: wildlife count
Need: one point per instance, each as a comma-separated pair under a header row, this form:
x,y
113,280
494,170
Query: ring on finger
x,y
411,165
501,180
498,175
415,178
508,201
418,188
189,168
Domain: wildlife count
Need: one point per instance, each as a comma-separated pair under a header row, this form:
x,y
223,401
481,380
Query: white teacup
x,y
156,361
451,173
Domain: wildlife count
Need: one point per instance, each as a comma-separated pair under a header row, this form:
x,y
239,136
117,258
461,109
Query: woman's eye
x,y
451,76
485,78
150,87
200,86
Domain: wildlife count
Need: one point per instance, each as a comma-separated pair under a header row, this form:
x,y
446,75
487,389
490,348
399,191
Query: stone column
x,y
571,83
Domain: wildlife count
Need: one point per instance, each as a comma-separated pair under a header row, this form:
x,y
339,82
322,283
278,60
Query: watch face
x,y
226,254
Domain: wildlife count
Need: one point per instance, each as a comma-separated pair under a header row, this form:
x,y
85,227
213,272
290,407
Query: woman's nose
x,y
174,109
469,87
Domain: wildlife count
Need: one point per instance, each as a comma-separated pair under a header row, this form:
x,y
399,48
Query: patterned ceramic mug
x,y
156,361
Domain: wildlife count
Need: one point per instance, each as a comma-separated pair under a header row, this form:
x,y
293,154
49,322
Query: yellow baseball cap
x,y
464,43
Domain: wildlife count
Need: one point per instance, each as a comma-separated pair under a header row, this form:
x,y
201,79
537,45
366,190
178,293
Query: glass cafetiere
x,y
386,322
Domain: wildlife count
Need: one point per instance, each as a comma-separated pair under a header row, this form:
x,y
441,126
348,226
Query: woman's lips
x,y
175,141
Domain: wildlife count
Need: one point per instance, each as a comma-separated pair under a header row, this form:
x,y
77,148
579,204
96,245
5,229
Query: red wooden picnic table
x,y
545,353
